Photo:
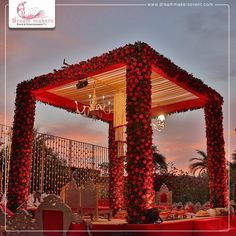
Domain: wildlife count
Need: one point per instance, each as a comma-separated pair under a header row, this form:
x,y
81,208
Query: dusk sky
x,y
194,38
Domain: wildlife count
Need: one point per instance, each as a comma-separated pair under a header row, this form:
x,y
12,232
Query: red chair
x,y
52,222
70,195
163,198
53,216
104,207
90,197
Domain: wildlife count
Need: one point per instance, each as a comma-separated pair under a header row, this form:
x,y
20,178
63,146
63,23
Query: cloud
x,y
69,125
82,132
2,118
209,38
183,134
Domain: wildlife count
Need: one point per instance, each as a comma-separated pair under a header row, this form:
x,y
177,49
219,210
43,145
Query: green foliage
x,y
184,187
200,163
56,173
159,160
47,166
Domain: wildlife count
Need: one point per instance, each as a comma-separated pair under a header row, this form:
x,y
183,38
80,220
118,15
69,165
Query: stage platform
x,y
220,226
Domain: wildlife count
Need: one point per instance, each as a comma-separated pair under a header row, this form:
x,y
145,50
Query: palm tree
x,y
159,160
200,163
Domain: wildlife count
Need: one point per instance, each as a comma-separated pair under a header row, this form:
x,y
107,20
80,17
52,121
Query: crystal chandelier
x,y
158,123
94,108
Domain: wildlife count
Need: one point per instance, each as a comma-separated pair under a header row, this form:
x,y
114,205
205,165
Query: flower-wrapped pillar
x,y
116,173
21,154
139,138
216,154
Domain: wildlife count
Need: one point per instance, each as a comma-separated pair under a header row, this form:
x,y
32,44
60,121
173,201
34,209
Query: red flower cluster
x,y
139,138
116,170
180,76
25,110
20,163
139,58
216,154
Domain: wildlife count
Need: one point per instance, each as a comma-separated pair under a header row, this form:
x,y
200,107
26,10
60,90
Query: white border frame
x,y
228,107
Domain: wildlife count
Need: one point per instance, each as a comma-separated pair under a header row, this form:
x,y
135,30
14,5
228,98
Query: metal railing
x,y
52,158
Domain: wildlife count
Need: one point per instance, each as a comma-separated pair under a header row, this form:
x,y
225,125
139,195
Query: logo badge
x,y
31,14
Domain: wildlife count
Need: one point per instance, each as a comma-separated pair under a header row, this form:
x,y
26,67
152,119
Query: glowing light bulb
x,y
161,117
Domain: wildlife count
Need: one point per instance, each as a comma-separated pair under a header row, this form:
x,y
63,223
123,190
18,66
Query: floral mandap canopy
x,y
169,94
152,85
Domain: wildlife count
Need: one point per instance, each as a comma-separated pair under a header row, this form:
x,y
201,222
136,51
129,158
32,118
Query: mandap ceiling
x,y
165,93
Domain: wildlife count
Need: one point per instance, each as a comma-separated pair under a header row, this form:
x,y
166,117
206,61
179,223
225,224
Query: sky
x,y
194,38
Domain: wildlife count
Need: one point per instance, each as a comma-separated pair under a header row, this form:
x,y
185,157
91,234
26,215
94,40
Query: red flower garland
x,y
25,111
139,139
22,138
216,154
116,170
122,55
139,58
183,77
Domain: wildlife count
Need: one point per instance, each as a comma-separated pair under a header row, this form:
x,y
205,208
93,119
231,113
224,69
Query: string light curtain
x,y
119,122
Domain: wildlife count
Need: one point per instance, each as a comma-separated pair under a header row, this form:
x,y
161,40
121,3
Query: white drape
x,y
119,121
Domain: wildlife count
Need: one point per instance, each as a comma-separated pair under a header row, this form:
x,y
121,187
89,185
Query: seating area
x,y
90,200
175,211
67,215
86,200
70,194
89,203
53,215
56,218
56,214
223,226
163,198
